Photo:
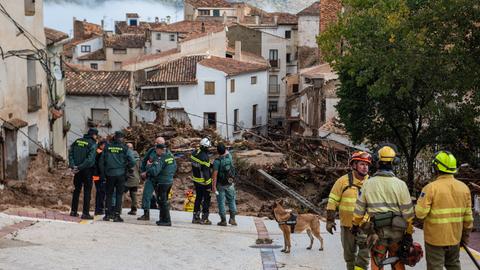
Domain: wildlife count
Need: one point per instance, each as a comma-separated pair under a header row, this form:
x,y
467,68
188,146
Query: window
x,y
288,34
210,120
273,86
159,36
273,106
216,13
156,94
209,88
232,85
85,48
254,115
117,65
253,80
29,7
100,117
133,22
204,12
94,66
31,70
289,57
172,37
295,88
120,51
235,120
273,54
34,95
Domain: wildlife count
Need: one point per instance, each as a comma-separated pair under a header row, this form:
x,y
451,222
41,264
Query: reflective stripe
x,y
359,212
351,200
361,204
202,181
383,204
468,218
422,210
204,163
406,206
346,208
334,197
445,220
448,211
330,200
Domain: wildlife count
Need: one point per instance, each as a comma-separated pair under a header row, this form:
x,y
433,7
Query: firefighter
x,y
343,195
389,207
202,179
114,163
445,207
82,162
148,187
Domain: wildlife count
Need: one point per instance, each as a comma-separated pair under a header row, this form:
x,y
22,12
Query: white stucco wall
x,y
78,109
271,42
331,111
13,79
308,29
164,44
101,64
214,43
95,45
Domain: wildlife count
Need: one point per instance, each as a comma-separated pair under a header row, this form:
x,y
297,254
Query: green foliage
x,y
405,68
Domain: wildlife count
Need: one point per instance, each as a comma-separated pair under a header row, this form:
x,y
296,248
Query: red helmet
x,y
413,255
361,156
188,192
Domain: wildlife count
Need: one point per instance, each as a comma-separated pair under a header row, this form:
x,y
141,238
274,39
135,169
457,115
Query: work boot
x,y
146,215
86,216
73,214
163,223
231,220
196,218
107,217
117,218
99,213
205,220
223,221
133,212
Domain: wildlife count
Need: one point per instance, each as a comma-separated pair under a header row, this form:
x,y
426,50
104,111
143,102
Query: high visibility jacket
x,y
384,193
343,197
445,205
201,167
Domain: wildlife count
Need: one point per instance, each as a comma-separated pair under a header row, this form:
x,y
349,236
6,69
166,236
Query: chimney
x,y
257,19
102,23
203,27
156,19
168,19
224,18
275,19
238,50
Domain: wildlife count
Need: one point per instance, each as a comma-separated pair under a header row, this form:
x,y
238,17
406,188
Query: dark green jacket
x,y
150,155
116,159
163,169
82,153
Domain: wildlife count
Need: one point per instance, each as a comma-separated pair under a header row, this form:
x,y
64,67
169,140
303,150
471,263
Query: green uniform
x,y
116,159
82,153
163,169
148,187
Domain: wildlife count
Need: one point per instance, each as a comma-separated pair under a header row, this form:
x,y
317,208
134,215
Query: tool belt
x,y
389,219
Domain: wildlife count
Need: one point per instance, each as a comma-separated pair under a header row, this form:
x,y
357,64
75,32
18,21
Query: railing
x,y
274,63
274,89
34,94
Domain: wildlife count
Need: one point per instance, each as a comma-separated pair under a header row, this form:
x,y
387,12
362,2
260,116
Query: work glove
x,y
355,230
466,237
331,221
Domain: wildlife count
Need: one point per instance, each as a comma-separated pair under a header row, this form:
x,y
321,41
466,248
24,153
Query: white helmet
x,y
205,142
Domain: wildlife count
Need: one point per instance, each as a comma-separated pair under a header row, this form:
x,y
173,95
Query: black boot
x,y
133,211
73,214
223,221
231,220
117,218
196,218
146,215
205,220
107,217
86,216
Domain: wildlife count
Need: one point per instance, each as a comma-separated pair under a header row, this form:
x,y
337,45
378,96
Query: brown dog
x,y
308,222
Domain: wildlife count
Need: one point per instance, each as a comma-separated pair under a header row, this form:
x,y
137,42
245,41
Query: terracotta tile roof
x,y
312,10
149,57
285,18
84,29
177,72
121,27
209,3
125,41
189,27
133,15
96,55
232,67
97,83
75,67
53,35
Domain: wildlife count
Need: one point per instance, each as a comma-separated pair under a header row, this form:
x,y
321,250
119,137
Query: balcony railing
x,y
274,63
274,89
34,94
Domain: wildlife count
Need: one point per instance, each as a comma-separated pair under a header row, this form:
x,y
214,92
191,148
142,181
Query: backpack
x,y
350,183
227,172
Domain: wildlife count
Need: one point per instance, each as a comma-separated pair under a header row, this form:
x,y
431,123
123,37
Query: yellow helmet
x,y
445,161
387,154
